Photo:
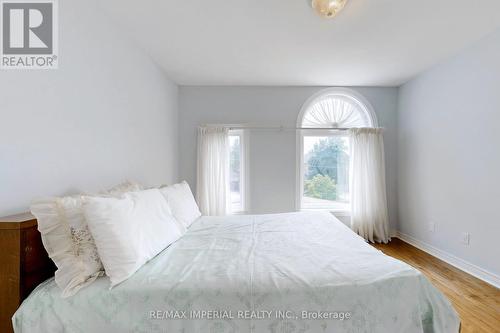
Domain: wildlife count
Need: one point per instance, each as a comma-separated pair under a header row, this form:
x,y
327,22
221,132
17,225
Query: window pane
x,y
326,172
235,172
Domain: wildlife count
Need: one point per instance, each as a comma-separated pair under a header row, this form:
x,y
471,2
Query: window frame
x,y
244,174
315,133
353,96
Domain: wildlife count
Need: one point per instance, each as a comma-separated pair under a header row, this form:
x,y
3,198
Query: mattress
x,y
294,272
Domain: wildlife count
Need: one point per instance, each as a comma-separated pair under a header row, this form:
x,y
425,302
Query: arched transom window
x,y
323,156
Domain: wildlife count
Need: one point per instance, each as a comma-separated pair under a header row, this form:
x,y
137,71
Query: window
x,y
323,156
326,172
237,171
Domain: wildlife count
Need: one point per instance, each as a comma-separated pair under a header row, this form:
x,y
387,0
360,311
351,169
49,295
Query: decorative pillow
x,y
181,201
125,187
66,237
130,230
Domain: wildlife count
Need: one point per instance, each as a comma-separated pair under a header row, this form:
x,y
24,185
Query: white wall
x,y
449,155
272,154
106,115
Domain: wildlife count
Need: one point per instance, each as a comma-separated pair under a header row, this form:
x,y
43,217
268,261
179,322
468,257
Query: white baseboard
x,y
393,233
461,264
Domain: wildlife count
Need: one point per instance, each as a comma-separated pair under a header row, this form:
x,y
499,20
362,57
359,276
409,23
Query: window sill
x,y
238,213
336,212
342,213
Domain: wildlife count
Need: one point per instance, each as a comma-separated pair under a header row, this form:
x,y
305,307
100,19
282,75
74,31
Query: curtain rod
x,y
278,128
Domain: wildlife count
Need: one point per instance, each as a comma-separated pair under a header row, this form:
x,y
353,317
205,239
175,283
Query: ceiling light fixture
x,y
328,8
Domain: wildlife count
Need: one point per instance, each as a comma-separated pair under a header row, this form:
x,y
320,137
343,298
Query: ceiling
x,y
283,42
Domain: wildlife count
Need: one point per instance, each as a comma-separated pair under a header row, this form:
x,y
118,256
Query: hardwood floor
x,y
477,302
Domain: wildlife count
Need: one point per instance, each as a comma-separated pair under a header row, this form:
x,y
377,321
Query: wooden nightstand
x,y
24,264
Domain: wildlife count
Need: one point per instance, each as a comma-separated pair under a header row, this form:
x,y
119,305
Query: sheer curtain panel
x,y
212,190
369,217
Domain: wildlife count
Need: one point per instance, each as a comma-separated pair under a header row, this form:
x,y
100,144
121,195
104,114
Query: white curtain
x,y
369,217
212,190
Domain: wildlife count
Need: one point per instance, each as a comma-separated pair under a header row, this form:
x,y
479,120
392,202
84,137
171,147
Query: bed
x,y
294,272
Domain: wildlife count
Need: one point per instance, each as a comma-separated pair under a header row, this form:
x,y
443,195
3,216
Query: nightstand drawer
x,y
24,264
33,254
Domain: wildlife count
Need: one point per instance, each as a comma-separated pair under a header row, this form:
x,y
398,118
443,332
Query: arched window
x,y
323,150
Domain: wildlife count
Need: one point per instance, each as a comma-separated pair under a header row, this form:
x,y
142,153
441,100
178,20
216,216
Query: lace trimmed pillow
x,y
67,239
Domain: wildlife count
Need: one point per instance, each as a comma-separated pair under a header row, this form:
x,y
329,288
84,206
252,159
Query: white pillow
x,y
67,239
129,231
181,201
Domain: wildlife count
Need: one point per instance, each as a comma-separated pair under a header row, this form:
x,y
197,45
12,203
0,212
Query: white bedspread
x,y
263,273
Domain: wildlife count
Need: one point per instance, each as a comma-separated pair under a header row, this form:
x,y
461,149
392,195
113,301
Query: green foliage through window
x,y
320,187
326,169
